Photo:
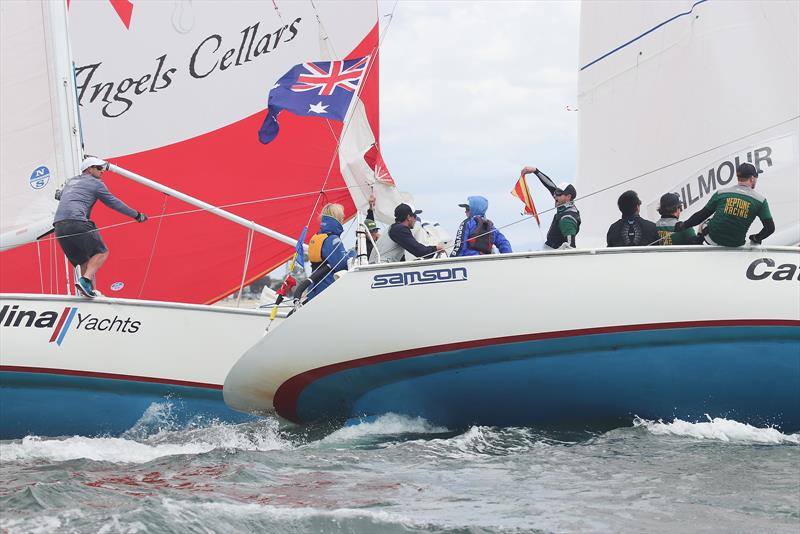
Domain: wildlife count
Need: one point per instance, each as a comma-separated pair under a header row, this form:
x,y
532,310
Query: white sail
x,y
673,94
38,125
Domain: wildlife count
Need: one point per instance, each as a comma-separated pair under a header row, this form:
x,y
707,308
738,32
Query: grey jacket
x,y
79,195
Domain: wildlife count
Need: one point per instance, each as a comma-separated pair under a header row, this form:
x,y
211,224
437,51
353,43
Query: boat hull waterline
x,y
70,365
579,338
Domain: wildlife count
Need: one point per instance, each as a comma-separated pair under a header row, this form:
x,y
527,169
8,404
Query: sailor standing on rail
x,y
76,233
734,209
567,220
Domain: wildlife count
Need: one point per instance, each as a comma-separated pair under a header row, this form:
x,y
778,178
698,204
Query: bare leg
x,y
94,263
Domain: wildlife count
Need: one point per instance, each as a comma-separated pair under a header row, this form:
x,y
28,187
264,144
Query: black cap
x,y
404,210
746,170
465,206
669,203
566,188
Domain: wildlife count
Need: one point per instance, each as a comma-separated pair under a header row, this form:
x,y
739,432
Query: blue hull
x,y
46,404
747,373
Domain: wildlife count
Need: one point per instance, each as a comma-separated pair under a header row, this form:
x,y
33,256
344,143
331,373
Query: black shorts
x,y
80,240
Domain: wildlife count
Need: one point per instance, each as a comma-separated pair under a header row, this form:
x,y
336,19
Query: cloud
x,y
473,91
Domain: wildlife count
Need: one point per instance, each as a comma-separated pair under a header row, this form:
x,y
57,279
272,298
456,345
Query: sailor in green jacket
x,y
734,210
567,220
670,208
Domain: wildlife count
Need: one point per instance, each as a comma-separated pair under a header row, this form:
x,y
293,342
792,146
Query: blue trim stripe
x,y
66,326
651,30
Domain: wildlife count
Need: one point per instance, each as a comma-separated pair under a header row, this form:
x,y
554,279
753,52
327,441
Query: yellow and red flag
x,y
522,192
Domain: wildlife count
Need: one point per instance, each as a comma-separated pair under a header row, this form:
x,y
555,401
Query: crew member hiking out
x,y
477,234
77,235
631,230
393,245
326,251
567,220
734,210
670,208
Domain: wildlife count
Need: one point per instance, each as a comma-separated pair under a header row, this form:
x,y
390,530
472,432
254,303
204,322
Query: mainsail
x,y
674,94
178,93
38,123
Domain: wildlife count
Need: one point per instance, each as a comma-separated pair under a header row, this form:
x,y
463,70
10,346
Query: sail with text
x,y
178,96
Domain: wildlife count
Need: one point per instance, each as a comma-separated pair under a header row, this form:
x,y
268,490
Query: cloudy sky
x,y
470,93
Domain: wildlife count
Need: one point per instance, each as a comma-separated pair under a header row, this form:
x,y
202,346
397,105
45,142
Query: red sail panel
x,y
198,257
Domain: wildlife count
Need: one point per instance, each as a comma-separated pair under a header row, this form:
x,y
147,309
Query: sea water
x,y
398,475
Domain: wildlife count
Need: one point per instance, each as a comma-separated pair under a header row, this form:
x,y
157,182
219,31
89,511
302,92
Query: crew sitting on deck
x,y
477,234
631,230
393,245
734,210
567,220
670,208
326,251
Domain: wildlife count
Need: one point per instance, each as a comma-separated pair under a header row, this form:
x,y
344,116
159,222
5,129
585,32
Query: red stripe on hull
x,y
59,325
107,376
285,400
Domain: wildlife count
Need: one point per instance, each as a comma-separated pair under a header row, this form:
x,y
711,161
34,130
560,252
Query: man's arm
x,y
502,243
569,229
695,219
401,235
768,230
335,254
460,242
546,181
113,202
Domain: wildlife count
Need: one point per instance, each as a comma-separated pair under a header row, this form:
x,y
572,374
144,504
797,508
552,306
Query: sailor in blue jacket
x,y
477,234
326,251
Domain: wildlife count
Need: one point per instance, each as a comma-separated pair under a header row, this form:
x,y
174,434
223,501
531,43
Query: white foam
x,y
121,450
187,512
118,450
389,424
718,429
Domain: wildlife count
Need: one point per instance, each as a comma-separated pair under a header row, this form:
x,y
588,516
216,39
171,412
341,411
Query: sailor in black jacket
x,y
631,230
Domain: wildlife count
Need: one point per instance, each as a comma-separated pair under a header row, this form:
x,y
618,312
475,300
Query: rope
x,y
663,167
41,269
153,249
246,262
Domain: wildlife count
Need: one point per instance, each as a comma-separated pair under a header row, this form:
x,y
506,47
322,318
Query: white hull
x,y
490,313
74,344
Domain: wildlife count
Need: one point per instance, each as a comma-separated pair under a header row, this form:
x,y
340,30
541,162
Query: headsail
x,y
179,96
38,126
673,94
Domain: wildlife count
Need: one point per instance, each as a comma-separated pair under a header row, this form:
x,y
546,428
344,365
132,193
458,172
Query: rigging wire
x,y
153,248
247,251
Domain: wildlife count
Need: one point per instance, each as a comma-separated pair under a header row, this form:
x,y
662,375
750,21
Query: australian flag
x,y
319,89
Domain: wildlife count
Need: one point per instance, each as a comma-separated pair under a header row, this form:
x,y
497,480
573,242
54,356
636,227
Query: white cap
x,y
92,161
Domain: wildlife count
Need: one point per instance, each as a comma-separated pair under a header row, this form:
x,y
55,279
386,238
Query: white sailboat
x,y
69,365
594,336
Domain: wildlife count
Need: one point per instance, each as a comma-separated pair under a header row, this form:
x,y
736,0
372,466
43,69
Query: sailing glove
x,y
755,239
140,217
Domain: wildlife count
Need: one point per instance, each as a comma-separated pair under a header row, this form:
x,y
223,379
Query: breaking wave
x,y
718,429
